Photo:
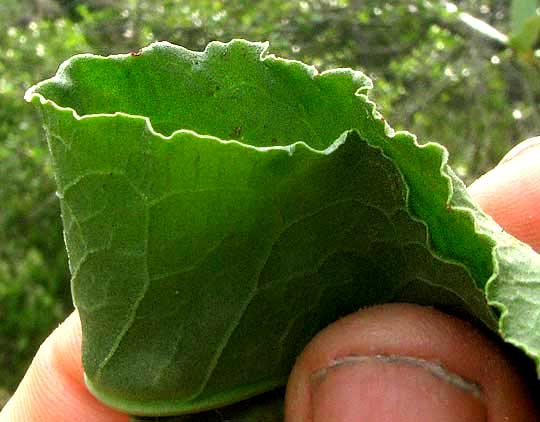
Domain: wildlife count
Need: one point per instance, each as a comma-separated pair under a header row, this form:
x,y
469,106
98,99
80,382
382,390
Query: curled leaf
x,y
221,207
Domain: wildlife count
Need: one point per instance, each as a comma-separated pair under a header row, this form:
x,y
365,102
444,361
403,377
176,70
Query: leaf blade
x,y
191,252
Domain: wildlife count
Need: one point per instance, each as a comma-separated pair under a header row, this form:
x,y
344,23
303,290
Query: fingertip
x,y
510,193
63,349
53,389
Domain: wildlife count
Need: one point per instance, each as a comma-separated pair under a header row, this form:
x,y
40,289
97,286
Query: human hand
x,y
390,363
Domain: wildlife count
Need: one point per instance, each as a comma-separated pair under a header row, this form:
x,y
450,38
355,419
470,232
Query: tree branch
x,y
467,25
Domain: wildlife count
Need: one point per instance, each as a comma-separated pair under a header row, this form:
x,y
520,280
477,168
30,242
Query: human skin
x,y
389,363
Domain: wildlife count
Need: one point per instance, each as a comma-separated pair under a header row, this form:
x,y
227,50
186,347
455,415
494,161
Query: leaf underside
x,y
221,207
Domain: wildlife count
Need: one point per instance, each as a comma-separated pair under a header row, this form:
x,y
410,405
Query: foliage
x,y
525,23
198,238
33,267
431,76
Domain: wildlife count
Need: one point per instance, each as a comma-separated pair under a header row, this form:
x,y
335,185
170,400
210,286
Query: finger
x,y
405,363
53,388
510,193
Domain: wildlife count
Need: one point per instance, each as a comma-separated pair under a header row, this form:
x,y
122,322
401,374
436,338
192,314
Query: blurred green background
x,y
464,74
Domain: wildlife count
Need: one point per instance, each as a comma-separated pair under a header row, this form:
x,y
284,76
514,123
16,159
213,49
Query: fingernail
x,y
523,148
393,388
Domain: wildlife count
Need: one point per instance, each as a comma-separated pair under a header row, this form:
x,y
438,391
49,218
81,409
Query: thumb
x,y
53,388
405,363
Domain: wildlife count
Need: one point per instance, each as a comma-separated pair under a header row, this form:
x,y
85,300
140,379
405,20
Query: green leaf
x,y
525,24
221,207
525,39
520,12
